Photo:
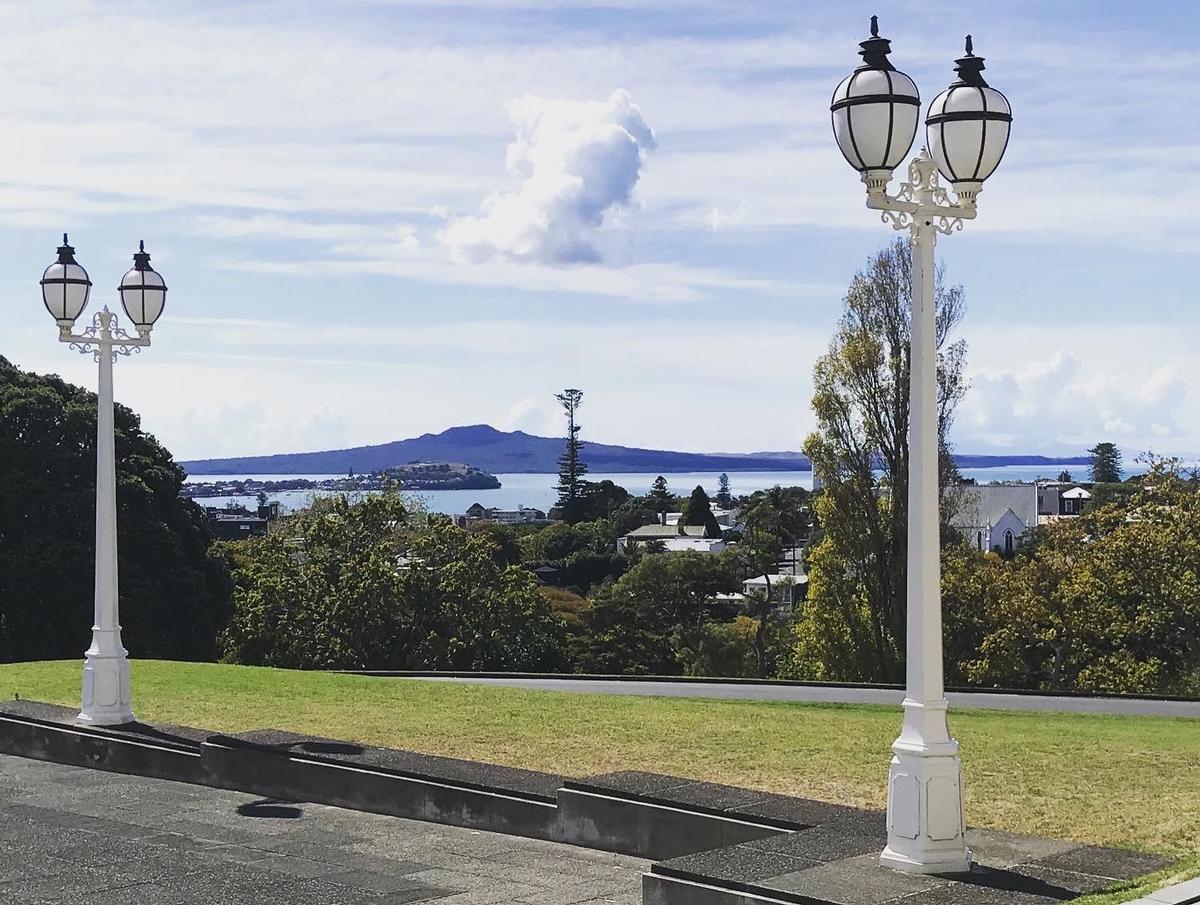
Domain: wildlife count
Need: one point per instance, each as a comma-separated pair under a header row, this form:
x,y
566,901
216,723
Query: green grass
x,y
1112,780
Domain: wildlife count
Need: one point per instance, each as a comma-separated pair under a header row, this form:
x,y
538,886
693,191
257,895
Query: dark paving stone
x,y
176,736
996,848
738,865
820,843
487,777
798,813
377,882
324,892
1115,864
628,783
853,881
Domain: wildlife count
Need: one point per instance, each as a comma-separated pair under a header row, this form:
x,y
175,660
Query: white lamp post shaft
x,y
925,813
107,698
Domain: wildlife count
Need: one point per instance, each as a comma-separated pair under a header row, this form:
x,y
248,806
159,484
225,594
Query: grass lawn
x,y
1113,780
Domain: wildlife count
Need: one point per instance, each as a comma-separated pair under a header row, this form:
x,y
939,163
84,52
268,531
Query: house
x,y
1057,499
673,537
236,523
522,515
785,590
996,516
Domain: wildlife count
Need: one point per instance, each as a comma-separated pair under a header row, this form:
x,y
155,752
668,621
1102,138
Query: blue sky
x,y
381,217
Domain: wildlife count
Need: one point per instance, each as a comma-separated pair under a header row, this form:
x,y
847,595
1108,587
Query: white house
x,y
996,516
673,537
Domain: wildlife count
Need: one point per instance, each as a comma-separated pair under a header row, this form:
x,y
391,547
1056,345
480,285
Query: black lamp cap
x,y
875,49
141,259
969,69
66,254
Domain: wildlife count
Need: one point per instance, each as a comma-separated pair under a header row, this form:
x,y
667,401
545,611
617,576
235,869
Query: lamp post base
x,y
925,811
107,700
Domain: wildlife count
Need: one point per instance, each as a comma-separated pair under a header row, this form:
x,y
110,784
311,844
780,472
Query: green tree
x,y
1108,602
653,620
660,498
1064,477
571,468
854,622
369,585
1106,463
775,520
174,596
724,494
698,511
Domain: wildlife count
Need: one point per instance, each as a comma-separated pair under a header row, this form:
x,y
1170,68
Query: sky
x,y
380,218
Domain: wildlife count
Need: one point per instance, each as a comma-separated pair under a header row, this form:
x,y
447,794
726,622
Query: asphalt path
x,y
741,691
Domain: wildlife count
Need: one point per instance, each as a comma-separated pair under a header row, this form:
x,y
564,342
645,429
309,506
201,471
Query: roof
x,y
987,504
777,581
648,532
1076,493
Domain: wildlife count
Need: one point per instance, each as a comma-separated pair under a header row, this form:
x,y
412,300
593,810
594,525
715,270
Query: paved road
x,y
74,835
750,692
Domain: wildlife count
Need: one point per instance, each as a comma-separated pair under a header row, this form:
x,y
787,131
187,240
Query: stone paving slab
x,y
782,811
471,774
162,733
838,863
166,843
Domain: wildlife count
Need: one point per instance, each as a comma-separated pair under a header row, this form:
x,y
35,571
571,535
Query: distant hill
x,y
516,452
498,452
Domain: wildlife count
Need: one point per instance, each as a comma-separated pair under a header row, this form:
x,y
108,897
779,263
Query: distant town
x,y
414,476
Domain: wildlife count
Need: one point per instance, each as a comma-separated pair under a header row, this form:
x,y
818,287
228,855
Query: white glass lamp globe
x,y
967,128
143,292
875,111
65,287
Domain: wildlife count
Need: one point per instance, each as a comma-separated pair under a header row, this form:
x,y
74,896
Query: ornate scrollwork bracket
x,y
921,201
103,334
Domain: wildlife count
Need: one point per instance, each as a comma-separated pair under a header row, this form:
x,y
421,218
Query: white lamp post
x,y
65,291
875,113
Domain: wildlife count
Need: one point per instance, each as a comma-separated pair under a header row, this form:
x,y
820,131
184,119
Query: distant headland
x,y
516,452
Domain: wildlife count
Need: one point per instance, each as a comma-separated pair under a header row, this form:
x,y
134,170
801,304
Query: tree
x,y
571,468
1107,602
724,495
1106,463
1064,477
698,511
174,595
775,520
660,498
368,585
654,619
855,615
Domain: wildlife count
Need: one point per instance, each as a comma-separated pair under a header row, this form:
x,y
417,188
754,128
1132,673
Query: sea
x,y
538,490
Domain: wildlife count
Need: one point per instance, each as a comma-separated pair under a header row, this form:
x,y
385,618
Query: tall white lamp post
x,y
875,111
107,699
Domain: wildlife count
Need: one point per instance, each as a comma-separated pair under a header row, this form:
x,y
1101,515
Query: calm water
x,y
537,490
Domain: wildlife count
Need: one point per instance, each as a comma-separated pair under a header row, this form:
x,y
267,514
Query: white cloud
x,y
580,161
1062,402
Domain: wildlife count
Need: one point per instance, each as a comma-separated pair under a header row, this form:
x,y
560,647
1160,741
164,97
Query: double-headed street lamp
x,y
65,291
875,111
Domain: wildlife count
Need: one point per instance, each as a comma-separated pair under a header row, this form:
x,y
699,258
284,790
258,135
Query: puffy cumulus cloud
x,y
580,160
1059,404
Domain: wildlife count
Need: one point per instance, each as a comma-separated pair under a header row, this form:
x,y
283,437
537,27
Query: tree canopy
x,y
173,594
855,616
1106,463
360,585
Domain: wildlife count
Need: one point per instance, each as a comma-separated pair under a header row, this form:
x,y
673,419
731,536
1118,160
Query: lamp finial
x,y
969,68
65,242
875,49
141,260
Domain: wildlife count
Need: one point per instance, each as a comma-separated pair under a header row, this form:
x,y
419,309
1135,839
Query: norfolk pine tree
x,y
571,468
